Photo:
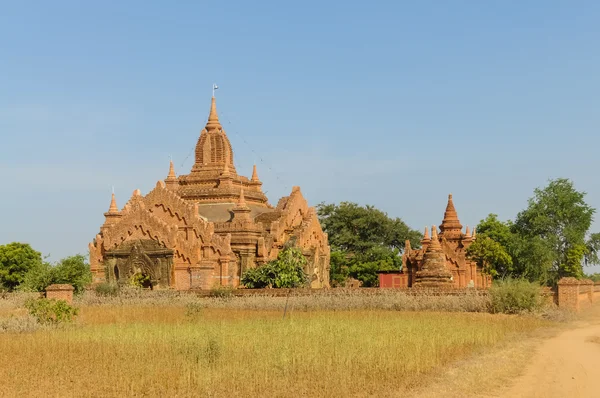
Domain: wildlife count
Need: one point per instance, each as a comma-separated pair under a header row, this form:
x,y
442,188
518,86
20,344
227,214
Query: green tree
x,y
560,218
364,240
16,259
72,270
504,253
491,249
285,272
594,277
491,255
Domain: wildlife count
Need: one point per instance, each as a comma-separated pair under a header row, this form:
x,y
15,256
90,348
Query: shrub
x,y
51,312
515,296
15,324
285,272
221,292
106,289
193,310
141,280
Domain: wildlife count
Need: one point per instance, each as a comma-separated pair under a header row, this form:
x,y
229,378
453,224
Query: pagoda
x,y
205,228
442,260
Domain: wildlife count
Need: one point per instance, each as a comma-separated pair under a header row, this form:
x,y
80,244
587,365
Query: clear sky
x,y
394,104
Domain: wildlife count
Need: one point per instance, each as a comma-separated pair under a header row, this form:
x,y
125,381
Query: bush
x,y
106,289
141,280
194,310
222,292
285,272
51,312
515,296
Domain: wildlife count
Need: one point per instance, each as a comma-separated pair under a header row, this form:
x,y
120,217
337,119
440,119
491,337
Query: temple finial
x,y
241,210
435,241
241,200
426,235
254,174
467,232
451,226
213,118
113,205
171,170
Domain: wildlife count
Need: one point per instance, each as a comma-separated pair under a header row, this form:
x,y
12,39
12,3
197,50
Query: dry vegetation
x,y
168,344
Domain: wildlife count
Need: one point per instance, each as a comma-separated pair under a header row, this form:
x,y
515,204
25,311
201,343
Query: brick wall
x,y
575,294
60,292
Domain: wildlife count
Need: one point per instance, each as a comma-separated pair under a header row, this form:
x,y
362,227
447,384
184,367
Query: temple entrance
x,y
144,263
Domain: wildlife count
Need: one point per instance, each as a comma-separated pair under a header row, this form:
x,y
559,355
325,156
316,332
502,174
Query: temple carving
x,y
442,259
204,229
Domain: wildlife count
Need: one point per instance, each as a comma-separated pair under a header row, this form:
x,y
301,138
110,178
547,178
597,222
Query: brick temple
x,y
204,229
442,260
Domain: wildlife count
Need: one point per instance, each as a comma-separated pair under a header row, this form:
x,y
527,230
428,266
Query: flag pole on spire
x,y
215,87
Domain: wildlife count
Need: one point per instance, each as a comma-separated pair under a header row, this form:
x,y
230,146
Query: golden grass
x,y
150,350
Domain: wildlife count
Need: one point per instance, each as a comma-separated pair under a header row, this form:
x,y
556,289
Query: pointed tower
x,y
254,175
426,238
451,229
171,180
467,238
113,215
213,150
213,179
433,272
241,211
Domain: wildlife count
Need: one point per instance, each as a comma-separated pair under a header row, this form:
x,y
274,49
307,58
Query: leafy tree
x,y
285,272
491,255
364,241
506,254
38,278
559,216
16,259
339,270
594,277
73,270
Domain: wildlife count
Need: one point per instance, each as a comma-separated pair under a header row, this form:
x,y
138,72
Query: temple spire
x,y
171,180
435,240
241,211
213,117
451,227
254,175
171,170
113,205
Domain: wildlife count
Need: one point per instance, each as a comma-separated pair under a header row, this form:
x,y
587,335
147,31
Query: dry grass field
x,y
184,346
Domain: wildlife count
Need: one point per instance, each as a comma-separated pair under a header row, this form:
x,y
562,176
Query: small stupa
x,y
433,272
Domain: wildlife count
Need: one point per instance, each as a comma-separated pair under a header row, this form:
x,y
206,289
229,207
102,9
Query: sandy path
x,y
567,365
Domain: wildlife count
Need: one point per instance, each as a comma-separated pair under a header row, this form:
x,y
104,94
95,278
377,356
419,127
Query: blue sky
x,y
394,104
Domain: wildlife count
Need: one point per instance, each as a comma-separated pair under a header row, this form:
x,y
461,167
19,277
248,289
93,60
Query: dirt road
x,y
567,365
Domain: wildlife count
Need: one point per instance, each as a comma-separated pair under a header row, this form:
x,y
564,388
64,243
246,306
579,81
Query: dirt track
x,y
567,365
